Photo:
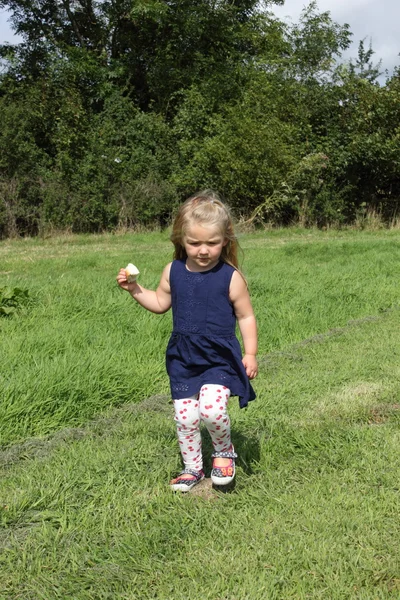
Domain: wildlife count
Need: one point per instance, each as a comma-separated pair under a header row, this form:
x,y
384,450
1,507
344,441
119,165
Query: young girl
x,y
208,296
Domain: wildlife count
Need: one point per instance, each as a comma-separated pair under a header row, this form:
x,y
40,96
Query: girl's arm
x,y
240,298
158,301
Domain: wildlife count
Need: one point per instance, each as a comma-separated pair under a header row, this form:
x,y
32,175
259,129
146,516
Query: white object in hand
x,y
131,273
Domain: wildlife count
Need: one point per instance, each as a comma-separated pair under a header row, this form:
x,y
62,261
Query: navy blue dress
x,y
203,347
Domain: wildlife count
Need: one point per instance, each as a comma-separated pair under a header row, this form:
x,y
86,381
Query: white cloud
x,y
375,20
6,34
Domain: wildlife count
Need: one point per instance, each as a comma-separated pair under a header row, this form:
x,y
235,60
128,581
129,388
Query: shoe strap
x,y
196,474
224,455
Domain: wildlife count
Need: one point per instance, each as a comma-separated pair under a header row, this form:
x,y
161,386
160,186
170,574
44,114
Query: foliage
x,y
11,299
113,113
245,152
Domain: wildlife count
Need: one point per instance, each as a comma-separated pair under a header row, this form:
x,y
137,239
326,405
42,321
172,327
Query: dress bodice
x,y
200,301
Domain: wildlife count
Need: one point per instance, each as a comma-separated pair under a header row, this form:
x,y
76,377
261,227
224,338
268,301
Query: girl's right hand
x,y
123,282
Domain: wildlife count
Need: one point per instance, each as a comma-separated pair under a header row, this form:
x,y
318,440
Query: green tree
x,y
114,111
154,47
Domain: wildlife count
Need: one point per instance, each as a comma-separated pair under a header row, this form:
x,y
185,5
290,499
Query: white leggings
x,y
209,406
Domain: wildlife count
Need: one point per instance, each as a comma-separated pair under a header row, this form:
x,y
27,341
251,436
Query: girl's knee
x,y
213,402
187,414
212,414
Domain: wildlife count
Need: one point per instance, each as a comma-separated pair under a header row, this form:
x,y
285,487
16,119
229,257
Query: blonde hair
x,y
206,208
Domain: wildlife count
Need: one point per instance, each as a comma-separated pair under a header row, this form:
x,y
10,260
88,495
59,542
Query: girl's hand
x,y
158,301
250,364
123,282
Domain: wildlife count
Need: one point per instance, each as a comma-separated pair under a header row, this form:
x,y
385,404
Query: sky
x,y
376,20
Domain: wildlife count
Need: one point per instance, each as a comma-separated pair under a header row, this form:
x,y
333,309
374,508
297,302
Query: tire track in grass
x,y
37,448
102,425
322,337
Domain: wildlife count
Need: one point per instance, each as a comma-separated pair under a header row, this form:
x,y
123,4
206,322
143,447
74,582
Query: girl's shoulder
x,y
175,269
176,265
167,271
238,285
228,267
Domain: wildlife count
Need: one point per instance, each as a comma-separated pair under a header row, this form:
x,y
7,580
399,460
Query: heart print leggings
x,y
209,406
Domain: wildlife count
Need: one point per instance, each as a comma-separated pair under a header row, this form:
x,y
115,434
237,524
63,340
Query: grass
x,y
88,440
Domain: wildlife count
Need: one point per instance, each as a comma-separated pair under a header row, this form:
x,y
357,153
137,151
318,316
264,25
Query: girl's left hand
x,y
250,364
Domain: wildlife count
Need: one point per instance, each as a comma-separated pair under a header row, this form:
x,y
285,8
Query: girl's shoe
x,y
223,475
186,479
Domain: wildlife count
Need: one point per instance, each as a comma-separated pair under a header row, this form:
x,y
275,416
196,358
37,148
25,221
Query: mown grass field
x,y
87,440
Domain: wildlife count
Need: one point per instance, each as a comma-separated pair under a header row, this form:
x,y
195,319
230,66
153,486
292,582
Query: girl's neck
x,y
194,268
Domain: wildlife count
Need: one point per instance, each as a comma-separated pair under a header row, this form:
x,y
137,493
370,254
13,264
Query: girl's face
x,y
203,247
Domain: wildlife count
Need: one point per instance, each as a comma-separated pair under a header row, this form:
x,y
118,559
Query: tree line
x,y
113,111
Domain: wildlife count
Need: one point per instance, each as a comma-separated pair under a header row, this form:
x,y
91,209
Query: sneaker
x,y
223,475
187,479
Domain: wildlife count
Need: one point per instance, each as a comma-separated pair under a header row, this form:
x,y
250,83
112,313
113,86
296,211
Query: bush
x,y
11,299
245,152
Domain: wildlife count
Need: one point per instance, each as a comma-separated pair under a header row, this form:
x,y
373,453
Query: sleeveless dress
x,y
203,347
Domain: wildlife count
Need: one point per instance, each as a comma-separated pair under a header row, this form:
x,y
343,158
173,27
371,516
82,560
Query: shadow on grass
x,y
247,449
